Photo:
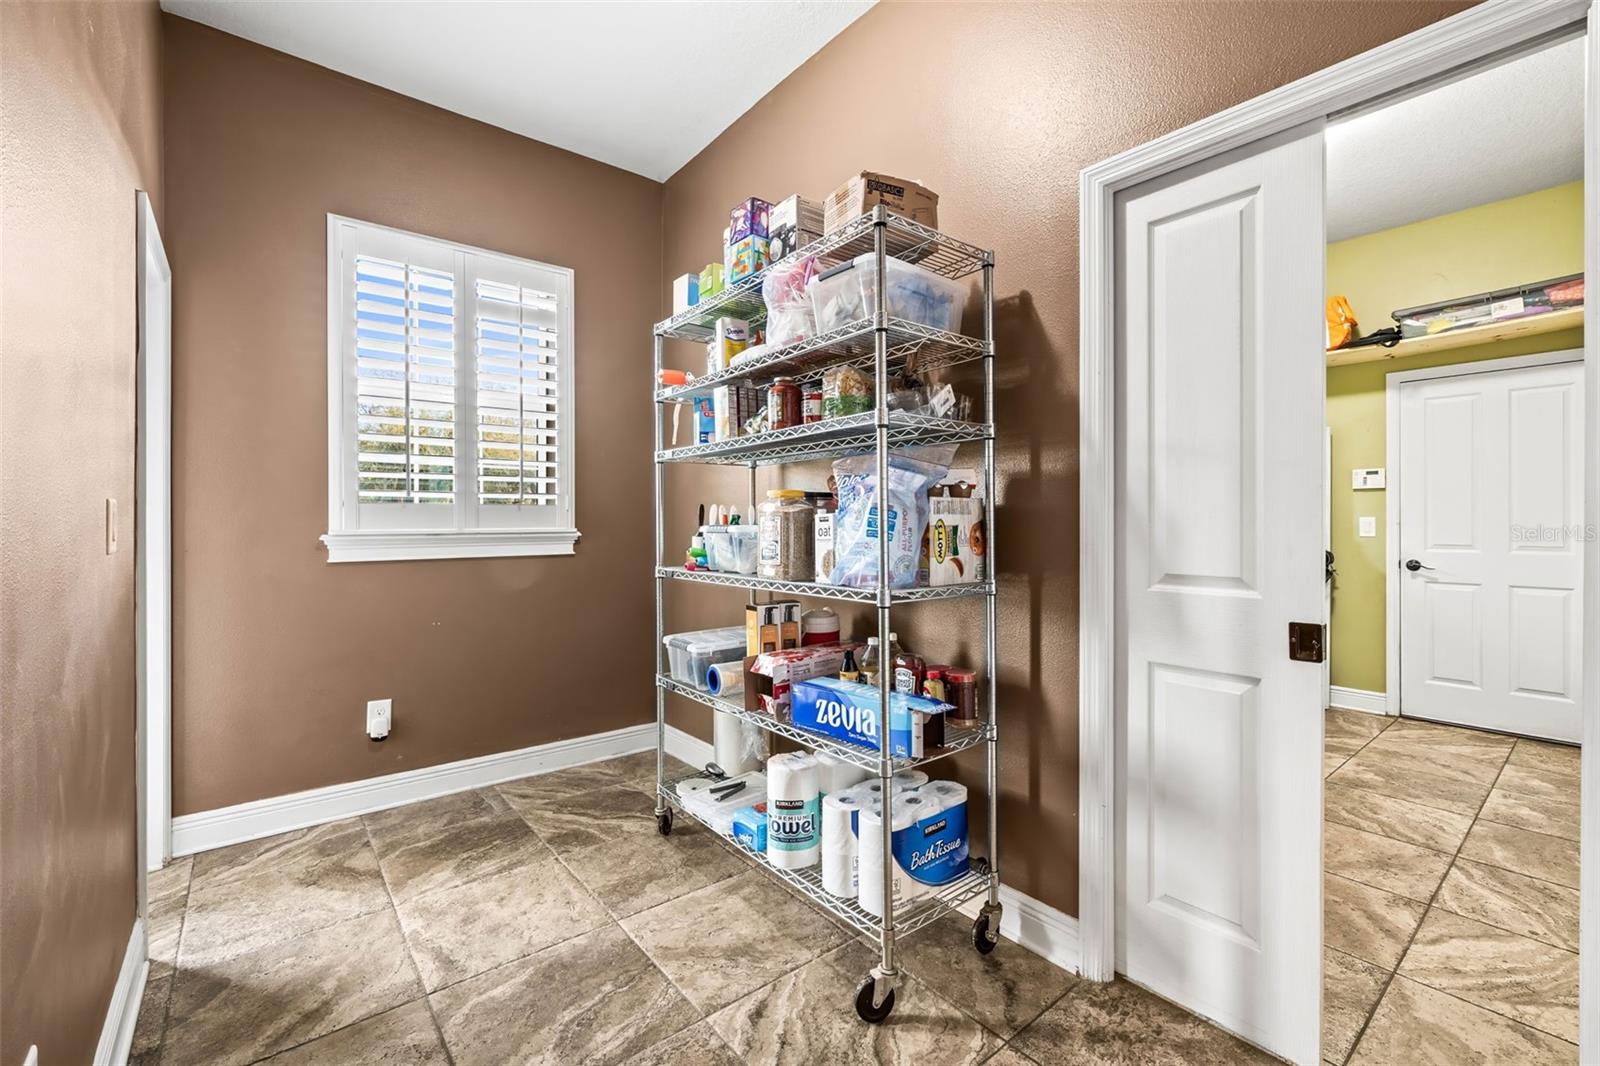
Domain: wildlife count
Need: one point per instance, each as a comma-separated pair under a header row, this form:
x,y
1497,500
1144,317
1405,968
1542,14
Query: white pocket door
x,y
1491,549
1220,393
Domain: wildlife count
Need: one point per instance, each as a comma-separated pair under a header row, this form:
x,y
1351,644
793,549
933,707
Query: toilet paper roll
x,y
794,811
736,745
838,775
904,781
839,811
944,794
726,679
905,811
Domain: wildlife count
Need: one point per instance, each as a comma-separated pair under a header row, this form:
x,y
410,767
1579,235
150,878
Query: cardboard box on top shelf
x,y
867,190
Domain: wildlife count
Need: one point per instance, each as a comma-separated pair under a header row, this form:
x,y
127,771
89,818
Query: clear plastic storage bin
x,y
692,654
849,293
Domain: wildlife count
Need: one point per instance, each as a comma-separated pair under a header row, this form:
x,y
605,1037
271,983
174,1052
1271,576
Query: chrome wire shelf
x,y
912,347
845,435
903,239
908,917
823,592
866,758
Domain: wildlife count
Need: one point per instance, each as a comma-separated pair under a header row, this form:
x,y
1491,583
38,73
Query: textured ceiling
x,y
640,85
1500,132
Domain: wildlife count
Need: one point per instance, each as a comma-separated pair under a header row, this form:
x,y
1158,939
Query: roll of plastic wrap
x,y
907,808
794,811
839,840
737,745
726,679
838,775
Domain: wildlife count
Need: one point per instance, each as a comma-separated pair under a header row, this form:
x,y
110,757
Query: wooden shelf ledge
x,y
1488,333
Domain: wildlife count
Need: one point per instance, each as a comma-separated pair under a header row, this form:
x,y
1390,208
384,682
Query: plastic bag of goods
x,y
912,471
789,315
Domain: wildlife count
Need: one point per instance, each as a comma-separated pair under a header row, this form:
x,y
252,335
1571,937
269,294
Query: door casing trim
x,y
1474,36
1391,495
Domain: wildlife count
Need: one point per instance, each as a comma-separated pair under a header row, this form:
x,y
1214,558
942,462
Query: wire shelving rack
x,y
882,344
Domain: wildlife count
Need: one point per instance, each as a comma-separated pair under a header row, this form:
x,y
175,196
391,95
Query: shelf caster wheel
x,y
870,1013
982,938
980,866
664,822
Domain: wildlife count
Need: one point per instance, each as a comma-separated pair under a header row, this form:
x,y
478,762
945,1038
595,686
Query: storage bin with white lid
x,y
692,654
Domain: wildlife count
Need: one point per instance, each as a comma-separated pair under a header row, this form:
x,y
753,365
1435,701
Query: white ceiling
x,y
641,85
1501,132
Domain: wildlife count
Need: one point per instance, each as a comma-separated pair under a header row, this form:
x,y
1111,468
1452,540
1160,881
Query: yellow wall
x,y
1509,242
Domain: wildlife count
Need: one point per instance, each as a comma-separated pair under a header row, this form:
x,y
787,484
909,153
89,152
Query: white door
x,y
1491,550
1219,734
153,565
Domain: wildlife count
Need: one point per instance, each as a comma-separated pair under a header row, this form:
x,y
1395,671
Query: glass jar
x,y
785,521
783,404
961,691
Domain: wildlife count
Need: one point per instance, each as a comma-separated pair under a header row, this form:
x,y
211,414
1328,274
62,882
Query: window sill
x,y
396,546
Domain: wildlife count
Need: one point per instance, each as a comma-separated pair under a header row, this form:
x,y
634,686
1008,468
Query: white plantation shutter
x,y
450,377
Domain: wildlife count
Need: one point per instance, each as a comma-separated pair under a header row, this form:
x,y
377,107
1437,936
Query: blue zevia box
x,y
848,711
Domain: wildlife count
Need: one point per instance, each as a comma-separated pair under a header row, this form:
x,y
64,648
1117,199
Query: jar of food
x,y
783,404
961,690
785,522
811,409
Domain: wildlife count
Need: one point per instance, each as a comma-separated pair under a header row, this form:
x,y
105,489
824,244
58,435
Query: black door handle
x,y
1414,565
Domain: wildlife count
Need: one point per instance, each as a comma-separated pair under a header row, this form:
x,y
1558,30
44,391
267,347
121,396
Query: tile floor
x,y
1450,910
546,921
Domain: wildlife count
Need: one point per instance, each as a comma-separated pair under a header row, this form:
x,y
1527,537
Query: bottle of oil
x,y
871,662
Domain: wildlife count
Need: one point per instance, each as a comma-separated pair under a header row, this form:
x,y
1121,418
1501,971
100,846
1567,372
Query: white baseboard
x,y
116,1035
688,747
1358,699
279,814
1036,926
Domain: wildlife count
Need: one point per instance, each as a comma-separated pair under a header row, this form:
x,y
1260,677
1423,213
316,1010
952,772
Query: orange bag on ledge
x,y
1342,325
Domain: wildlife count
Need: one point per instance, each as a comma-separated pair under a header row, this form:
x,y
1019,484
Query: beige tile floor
x,y
546,921
1450,861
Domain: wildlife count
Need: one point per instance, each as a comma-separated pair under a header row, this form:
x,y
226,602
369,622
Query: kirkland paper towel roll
x,y
869,866
839,840
794,814
838,775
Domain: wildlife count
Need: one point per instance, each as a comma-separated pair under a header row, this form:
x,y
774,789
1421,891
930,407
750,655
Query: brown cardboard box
x,y
867,190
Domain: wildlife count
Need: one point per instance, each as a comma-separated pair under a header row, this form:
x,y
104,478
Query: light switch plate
x,y
1369,478
1366,526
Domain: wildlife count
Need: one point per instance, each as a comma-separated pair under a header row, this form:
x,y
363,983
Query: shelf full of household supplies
x,y
955,740
807,881
828,329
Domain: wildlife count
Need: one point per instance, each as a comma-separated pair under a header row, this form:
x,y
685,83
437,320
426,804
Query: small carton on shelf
x,y
867,190
764,628
685,292
769,677
731,336
955,539
794,222
710,280
732,406
749,218
822,545
746,256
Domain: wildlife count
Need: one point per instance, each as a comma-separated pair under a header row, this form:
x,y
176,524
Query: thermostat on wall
x,y
1371,478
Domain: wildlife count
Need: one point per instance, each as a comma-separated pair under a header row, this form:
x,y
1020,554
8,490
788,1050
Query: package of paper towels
x,y
839,811
794,811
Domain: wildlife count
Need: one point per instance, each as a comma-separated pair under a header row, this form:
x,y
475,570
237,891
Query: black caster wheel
x,y
981,938
980,866
864,1006
664,822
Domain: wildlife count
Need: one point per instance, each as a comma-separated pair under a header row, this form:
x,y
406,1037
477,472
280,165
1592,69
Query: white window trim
x,y
389,545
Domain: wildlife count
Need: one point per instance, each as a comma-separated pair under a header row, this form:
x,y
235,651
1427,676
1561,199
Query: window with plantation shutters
x,y
449,399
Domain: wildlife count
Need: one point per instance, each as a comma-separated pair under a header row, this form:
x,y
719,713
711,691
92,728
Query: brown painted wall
x,y
80,119
997,107
276,650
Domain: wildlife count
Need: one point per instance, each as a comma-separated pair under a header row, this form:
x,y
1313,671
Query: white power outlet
x,y
378,712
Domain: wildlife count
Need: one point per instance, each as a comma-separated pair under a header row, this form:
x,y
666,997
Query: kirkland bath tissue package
x,y
848,711
933,851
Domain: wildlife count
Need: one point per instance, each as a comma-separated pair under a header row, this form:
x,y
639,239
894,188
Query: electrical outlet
x,y
111,527
1366,525
378,712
